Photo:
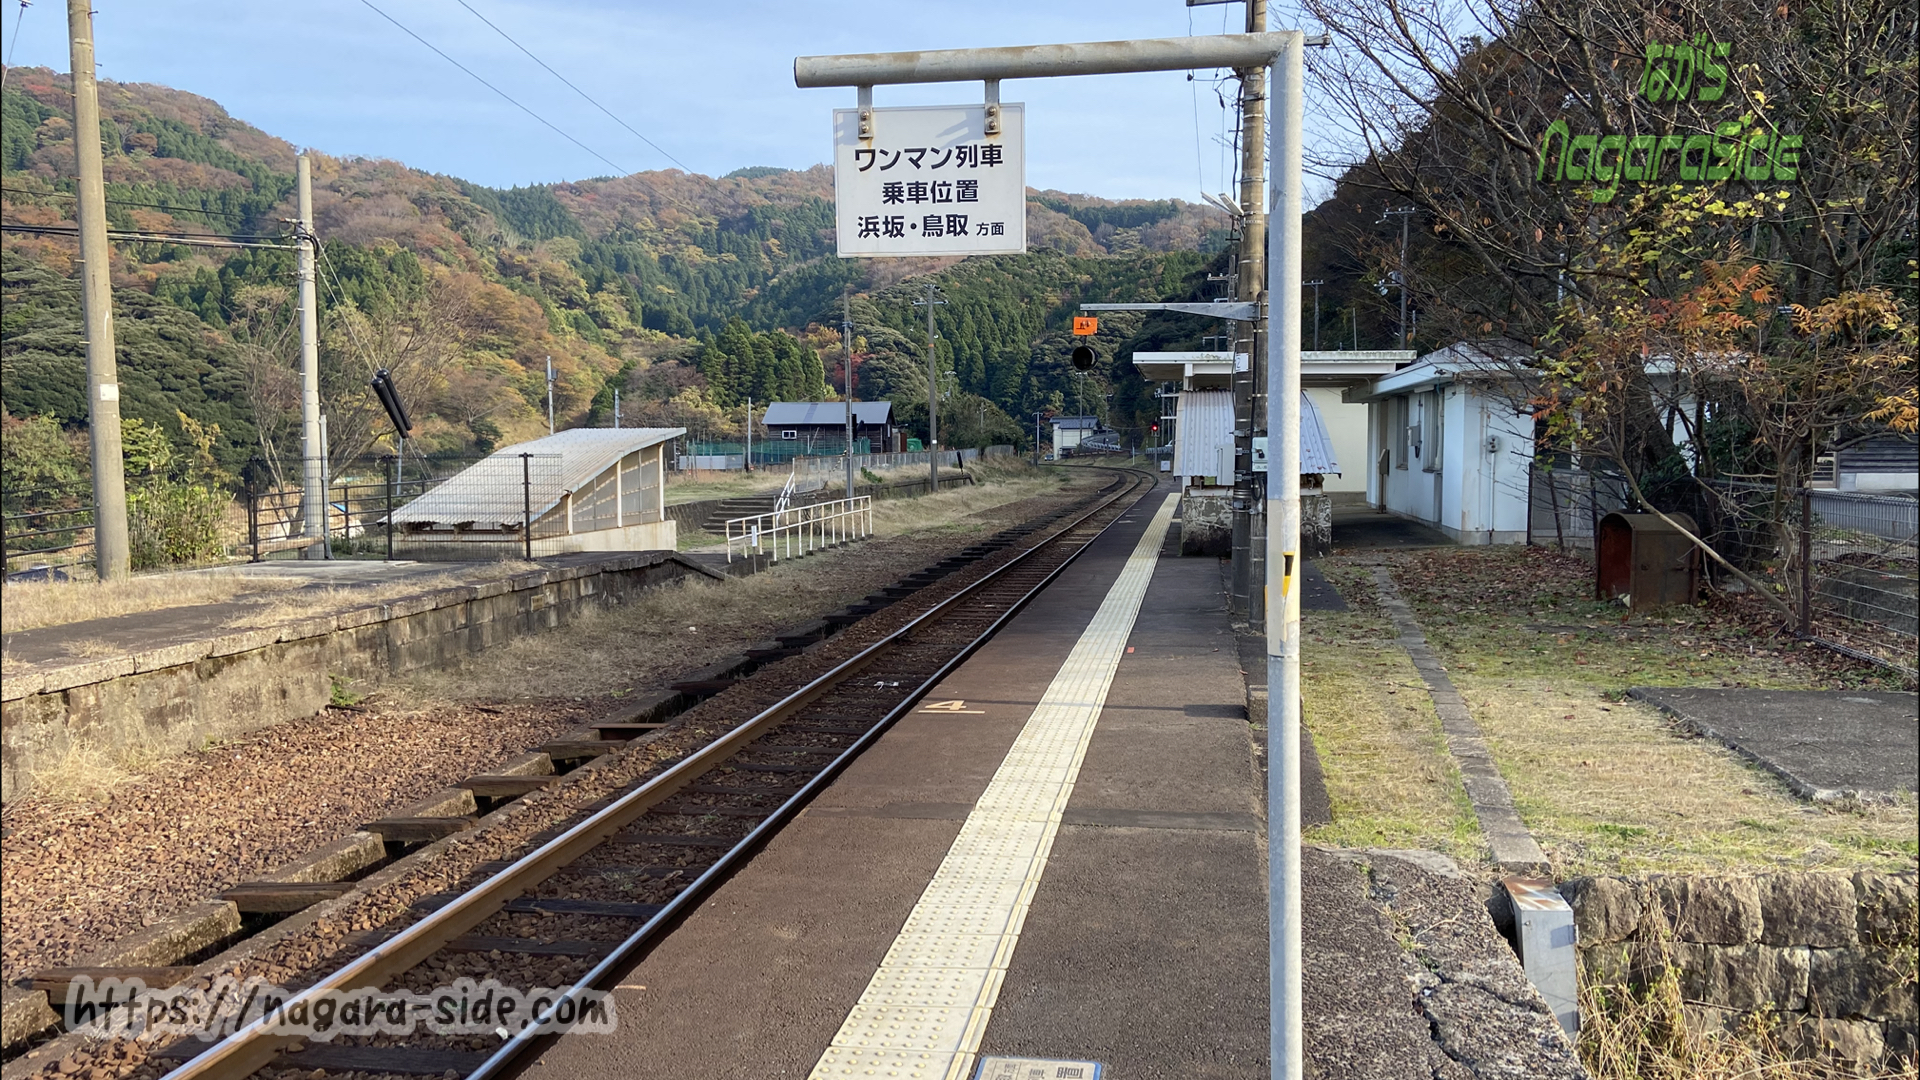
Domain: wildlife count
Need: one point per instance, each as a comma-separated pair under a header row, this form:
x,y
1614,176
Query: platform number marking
x,y
951,707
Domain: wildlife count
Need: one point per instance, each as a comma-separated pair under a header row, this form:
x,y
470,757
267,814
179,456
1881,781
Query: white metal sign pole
x,y
1283,564
1285,52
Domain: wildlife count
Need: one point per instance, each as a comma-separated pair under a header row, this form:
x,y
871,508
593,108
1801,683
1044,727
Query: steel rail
x,y
253,1046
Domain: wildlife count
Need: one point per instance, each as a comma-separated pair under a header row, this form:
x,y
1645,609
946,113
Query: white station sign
x,y
930,182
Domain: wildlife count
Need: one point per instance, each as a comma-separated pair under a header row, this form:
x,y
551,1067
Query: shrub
x,y
175,522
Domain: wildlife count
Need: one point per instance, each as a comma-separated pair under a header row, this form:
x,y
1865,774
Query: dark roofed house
x,y
822,425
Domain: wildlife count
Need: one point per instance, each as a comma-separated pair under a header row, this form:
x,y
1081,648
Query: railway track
x,y
643,857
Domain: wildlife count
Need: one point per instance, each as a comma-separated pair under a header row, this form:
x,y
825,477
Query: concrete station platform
x,y
1035,864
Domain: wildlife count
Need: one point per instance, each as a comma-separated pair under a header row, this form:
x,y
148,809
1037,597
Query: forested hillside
x,y
690,293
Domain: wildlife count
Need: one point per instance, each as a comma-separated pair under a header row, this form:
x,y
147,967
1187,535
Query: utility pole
x,y
1403,213
112,559
933,392
616,407
1250,279
749,454
313,480
549,395
1316,311
1284,915
846,364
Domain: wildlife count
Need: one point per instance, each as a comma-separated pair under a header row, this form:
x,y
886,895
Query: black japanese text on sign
x,y
930,182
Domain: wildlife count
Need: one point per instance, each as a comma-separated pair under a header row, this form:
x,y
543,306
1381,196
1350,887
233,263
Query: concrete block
x,y
308,628
170,940
1545,933
1605,909
534,764
450,802
97,671
1742,976
1807,909
23,1014
242,642
491,588
1859,984
1888,911
358,617
335,862
186,652
1708,909
23,685
1854,1041
412,605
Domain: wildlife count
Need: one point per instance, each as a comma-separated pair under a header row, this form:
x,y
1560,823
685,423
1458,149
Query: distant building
x,y
589,489
1887,462
1070,431
821,426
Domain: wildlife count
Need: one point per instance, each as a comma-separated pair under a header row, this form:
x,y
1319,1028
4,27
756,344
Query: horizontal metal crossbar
x,y
1237,51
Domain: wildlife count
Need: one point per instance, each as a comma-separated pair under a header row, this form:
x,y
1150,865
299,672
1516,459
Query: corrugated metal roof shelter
x,y
589,489
1203,439
1316,447
826,413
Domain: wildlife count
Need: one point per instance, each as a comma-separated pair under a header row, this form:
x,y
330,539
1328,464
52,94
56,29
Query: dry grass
x,y
85,774
1608,787
1647,1033
678,627
614,650
313,601
696,485
953,507
1389,777
31,604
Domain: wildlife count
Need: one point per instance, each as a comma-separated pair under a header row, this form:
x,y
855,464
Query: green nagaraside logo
x,y
1737,149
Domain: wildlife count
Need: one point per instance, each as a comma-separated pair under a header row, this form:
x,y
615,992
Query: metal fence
x,y
1847,563
800,530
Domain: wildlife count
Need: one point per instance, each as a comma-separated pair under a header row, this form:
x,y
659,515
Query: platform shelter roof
x,y
489,493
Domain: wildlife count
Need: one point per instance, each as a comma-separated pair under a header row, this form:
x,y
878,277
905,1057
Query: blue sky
x,y
711,83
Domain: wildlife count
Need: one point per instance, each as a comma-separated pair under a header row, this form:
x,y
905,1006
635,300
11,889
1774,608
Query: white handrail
x,y
800,530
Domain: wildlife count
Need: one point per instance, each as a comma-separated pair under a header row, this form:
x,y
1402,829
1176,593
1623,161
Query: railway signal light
x,y
1082,358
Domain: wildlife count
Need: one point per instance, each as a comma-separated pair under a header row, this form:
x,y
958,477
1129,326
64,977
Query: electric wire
x,y
14,41
130,202
575,89
510,99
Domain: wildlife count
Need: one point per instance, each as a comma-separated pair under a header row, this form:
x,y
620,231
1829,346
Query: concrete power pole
x,y
111,552
846,364
1249,397
933,393
313,483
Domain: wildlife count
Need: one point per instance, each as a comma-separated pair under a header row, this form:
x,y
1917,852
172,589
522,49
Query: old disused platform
x,y
1059,856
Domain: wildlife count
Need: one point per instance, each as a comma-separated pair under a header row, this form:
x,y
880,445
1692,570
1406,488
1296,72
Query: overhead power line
x,y
510,100
575,89
155,238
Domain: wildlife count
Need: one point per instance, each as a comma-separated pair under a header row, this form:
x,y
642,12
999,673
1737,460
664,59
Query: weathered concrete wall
x,y
180,696
1206,523
1831,956
1316,524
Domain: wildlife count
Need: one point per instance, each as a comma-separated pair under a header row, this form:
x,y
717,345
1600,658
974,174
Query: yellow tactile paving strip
x,y
922,1015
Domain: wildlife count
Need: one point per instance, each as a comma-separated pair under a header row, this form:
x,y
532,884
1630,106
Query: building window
x,y
789,434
